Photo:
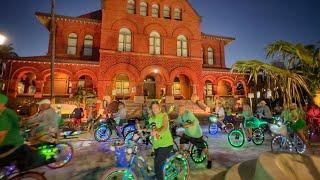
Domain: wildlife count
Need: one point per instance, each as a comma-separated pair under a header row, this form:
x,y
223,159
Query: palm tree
x,y
290,84
7,51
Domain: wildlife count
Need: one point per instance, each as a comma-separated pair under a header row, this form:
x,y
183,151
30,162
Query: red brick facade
x,y
106,63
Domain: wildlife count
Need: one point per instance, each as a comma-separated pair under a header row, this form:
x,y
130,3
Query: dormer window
x,y
155,10
131,7
166,12
177,14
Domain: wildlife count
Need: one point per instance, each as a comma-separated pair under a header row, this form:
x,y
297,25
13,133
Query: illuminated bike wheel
x,y
63,156
258,136
176,167
197,154
118,174
236,138
213,128
130,137
29,175
128,128
102,134
299,145
281,144
229,127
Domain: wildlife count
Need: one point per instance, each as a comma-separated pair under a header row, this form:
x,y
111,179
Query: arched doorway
x,y
62,84
240,89
182,88
27,84
224,88
208,92
149,87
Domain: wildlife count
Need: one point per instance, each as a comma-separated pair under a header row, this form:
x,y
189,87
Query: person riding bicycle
x,y
45,122
162,139
193,131
12,147
121,115
248,120
264,112
77,115
219,110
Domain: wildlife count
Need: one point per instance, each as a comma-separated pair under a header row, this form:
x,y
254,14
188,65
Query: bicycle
x,y
236,137
104,130
196,154
288,141
175,167
215,125
52,155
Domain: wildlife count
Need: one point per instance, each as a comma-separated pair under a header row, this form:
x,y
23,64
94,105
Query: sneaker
x,y
209,164
249,139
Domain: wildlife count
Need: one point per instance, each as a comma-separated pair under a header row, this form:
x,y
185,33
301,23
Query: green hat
x,y
3,99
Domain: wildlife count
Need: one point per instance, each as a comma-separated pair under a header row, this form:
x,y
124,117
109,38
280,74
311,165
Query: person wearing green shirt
x,y
193,131
247,114
299,124
161,138
12,147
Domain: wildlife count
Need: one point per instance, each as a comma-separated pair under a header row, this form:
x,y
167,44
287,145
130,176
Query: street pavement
x,y
91,158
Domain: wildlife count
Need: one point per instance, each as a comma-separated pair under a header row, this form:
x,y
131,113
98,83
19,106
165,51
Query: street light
x,y
3,39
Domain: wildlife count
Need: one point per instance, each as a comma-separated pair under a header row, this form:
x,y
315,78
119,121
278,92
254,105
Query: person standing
x,y
162,139
248,120
77,115
219,110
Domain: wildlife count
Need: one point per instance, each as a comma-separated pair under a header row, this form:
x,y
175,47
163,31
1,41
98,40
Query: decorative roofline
x,y
47,17
217,37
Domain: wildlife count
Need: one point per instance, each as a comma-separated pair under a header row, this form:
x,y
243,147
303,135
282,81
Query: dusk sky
x,y
254,23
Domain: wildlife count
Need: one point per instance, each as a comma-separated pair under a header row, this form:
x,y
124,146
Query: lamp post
x,y
53,47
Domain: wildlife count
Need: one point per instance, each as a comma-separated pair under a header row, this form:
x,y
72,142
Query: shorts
x,y
77,121
198,142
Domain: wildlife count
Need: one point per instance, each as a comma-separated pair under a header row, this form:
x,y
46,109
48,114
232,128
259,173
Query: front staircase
x,y
134,109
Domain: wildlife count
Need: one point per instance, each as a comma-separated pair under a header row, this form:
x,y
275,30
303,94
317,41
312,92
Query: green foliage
x,y
7,51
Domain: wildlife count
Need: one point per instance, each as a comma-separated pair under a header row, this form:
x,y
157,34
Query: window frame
x,y
88,47
72,44
153,8
143,5
210,56
182,46
177,10
167,9
131,6
155,46
127,34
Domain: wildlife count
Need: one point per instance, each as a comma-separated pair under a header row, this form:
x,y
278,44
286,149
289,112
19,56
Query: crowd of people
x,y
45,126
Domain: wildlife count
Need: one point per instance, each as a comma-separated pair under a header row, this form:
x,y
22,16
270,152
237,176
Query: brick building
x,y
128,49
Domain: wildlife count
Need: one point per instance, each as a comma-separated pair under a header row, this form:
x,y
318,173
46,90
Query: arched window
x,y
124,40
182,46
154,43
177,14
131,7
27,84
72,44
166,12
210,56
155,10
143,9
122,84
87,46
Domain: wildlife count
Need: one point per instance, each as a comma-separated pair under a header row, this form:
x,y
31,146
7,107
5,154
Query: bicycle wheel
x,y
128,128
130,137
102,133
300,146
213,128
29,175
258,136
118,174
176,167
281,144
63,156
197,154
229,127
175,147
236,138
